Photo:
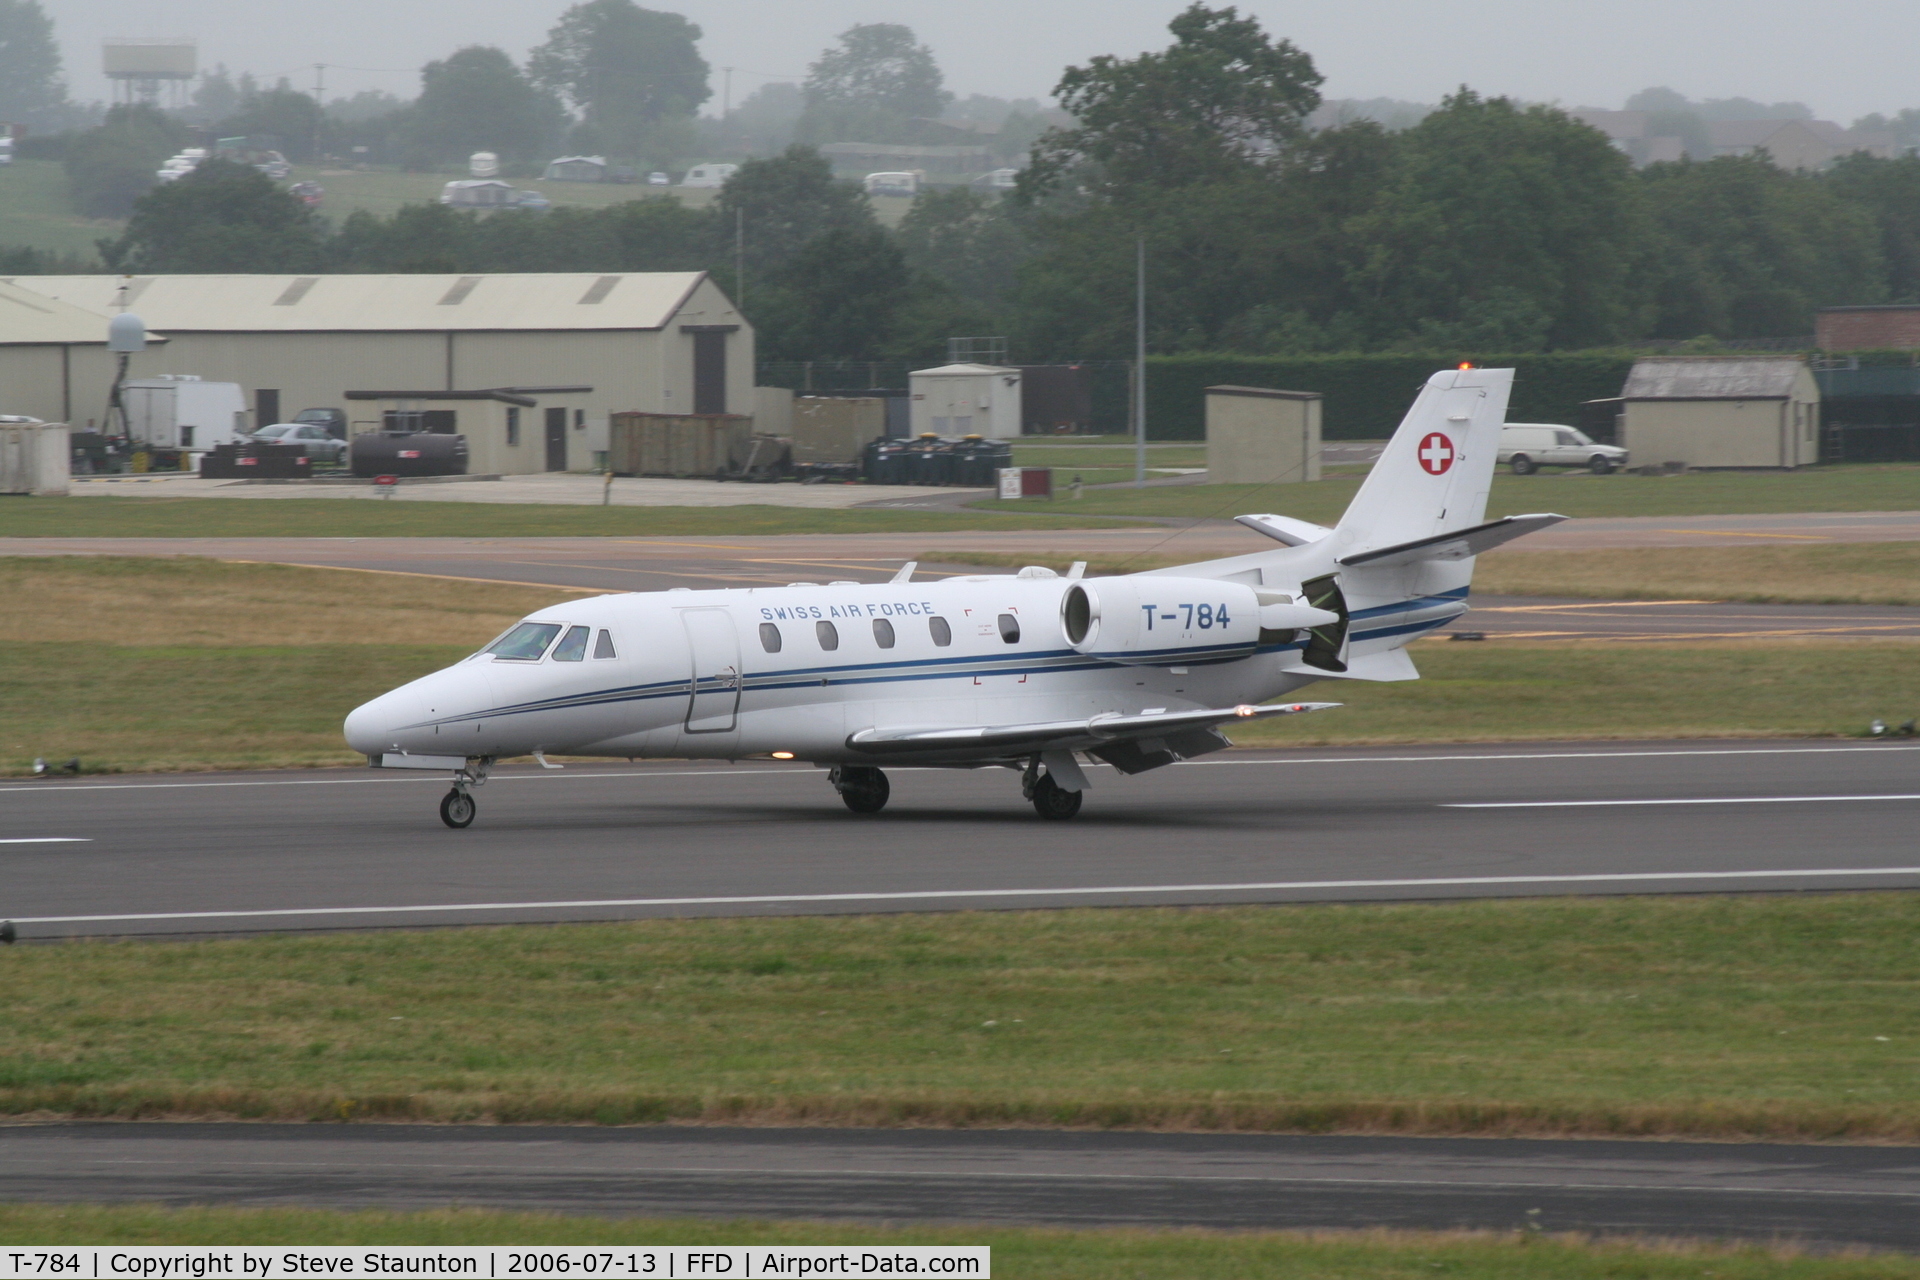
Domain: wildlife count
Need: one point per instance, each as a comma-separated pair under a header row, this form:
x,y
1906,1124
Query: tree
x,y
31,90
835,298
873,87
477,100
1223,99
784,203
1746,249
1506,227
216,96
109,166
624,69
221,218
1889,191
293,120
971,242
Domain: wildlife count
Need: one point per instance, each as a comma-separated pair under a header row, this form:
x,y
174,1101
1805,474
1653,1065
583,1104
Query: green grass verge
x,y
1878,487
126,517
1021,1253
131,708
1785,1017
36,211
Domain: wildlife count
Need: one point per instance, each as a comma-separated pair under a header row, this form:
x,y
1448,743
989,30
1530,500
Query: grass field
x,y
1833,573
1864,487
35,211
1789,1017
118,517
143,664
1018,1253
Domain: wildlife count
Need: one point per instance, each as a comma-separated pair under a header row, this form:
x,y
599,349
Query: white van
x,y
1528,446
709,175
904,183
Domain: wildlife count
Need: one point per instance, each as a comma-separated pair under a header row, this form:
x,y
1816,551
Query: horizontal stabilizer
x,y
1063,735
1285,529
1457,545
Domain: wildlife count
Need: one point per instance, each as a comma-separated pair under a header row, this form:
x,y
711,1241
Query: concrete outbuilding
x,y
966,400
1718,411
1260,436
659,342
510,431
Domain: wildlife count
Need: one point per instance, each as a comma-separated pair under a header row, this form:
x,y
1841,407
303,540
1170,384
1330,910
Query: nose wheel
x,y
457,809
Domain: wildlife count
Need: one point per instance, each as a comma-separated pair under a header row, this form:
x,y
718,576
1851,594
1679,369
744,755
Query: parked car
x,y
334,420
308,193
658,179
532,200
1528,446
314,439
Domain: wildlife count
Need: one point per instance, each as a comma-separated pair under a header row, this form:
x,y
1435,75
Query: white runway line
x,y
47,840
939,894
56,788
1604,804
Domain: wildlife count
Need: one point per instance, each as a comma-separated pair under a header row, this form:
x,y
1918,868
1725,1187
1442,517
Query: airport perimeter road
x,y
352,849
1824,1195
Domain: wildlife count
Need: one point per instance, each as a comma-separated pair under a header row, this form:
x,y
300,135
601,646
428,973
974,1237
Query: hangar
x,y
656,342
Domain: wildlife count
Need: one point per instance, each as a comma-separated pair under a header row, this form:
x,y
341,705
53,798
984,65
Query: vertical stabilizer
x,y
1435,473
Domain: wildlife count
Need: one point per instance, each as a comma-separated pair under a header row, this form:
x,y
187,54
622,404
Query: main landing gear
x,y
1050,800
457,808
865,790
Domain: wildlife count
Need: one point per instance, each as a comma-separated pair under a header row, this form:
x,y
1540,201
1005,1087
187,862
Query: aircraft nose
x,y
372,727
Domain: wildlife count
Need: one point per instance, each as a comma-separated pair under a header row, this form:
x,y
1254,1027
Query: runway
x,y
1820,1195
200,854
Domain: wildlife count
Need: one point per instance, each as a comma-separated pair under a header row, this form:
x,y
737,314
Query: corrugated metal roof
x,y
375,303
30,317
1711,379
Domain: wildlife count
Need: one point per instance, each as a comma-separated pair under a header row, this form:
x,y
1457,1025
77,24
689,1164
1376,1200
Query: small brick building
x,y
1882,328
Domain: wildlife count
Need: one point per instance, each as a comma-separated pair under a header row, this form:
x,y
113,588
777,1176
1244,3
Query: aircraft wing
x,y
1457,545
1063,735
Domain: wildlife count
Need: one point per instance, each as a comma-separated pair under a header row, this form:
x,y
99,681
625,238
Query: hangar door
x,y
714,687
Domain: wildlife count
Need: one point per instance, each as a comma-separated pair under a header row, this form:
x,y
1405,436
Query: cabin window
x,y
769,637
573,645
1009,628
603,647
883,633
829,635
526,642
942,633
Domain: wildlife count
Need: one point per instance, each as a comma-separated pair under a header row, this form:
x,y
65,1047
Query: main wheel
x,y
457,809
864,790
1053,802
1600,464
1523,465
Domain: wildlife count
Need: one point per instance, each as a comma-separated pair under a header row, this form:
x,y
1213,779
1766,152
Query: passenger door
x,y
556,439
714,683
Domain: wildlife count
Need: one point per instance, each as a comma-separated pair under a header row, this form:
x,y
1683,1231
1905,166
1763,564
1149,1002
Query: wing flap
x,y
1063,735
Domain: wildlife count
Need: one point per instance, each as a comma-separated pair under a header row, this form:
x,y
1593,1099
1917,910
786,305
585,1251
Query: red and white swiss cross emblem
x,y
1435,453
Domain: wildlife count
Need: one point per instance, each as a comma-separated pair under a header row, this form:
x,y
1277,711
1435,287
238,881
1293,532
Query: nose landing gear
x,y
865,790
457,808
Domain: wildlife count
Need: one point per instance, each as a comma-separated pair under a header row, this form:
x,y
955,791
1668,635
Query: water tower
x,y
143,68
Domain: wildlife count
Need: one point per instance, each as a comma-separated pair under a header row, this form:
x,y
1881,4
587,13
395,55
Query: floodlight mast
x,y
1140,362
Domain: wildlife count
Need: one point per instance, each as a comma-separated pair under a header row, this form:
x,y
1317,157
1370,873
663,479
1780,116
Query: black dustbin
x,y
977,462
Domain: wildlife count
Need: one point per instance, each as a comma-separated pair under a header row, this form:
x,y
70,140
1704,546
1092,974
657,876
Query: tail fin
x,y
1434,475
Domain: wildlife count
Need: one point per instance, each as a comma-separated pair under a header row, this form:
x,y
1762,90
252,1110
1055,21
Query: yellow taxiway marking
x,y
408,573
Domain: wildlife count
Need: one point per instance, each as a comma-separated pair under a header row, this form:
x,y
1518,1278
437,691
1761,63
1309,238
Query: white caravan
x,y
1028,671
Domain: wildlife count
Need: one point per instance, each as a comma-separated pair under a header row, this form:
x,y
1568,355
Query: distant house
x,y
1719,411
1796,144
576,169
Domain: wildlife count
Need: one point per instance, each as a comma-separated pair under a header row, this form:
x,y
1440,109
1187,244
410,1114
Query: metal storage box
x,y
677,444
35,458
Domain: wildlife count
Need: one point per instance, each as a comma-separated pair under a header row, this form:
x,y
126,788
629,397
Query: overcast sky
x,y
1844,58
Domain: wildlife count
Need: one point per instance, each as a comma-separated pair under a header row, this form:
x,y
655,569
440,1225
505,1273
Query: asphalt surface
x,y
1819,1195
353,849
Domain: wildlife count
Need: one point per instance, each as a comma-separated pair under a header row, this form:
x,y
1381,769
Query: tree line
x,y
1489,225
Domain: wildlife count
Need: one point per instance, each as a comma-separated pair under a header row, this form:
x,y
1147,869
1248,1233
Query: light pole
x,y
1140,362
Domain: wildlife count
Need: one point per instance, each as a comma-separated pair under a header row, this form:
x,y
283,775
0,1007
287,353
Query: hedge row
x,y
1367,395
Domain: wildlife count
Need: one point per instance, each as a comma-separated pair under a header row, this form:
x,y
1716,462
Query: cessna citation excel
x,y
1026,671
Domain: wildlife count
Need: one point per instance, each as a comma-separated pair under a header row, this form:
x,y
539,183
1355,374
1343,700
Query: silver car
x,y
1528,446
319,444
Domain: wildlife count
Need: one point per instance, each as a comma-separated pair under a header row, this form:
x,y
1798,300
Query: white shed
x,y
966,400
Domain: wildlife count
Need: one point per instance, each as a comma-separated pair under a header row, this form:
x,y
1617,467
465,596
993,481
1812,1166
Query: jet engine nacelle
x,y
1156,621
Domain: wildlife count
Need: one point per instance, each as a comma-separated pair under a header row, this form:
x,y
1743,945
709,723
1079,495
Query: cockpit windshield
x,y
526,642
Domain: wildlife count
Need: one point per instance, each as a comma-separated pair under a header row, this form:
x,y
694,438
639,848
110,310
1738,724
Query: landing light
x,y
783,755
1243,710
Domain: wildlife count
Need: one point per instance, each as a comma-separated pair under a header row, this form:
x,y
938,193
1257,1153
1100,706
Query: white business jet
x,y
1028,671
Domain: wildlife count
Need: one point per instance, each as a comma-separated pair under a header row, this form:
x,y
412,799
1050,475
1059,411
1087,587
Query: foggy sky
x,y
1845,58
